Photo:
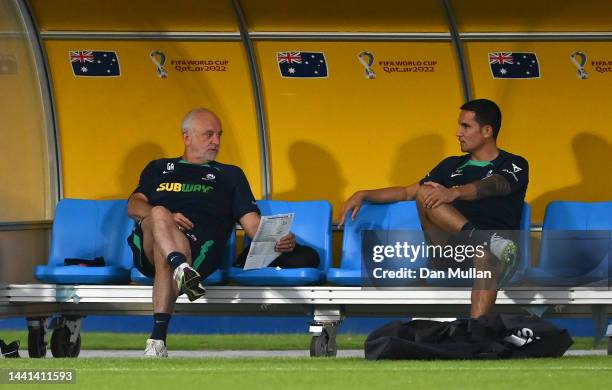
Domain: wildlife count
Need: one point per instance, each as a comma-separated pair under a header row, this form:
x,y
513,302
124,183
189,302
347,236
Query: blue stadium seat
x,y
524,246
575,246
86,229
312,227
217,277
524,260
388,216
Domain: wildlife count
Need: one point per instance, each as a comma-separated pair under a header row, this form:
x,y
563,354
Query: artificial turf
x,y
191,342
333,373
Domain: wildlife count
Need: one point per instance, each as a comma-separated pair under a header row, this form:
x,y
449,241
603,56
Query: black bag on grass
x,y
487,337
10,350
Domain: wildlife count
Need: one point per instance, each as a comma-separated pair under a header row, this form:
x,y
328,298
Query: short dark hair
x,y
487,113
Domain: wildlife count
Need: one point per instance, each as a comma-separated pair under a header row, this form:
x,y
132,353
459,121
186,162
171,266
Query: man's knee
x,y
160,214
421,194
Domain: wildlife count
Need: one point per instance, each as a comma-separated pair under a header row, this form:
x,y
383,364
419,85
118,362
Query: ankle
x,y
160,326
175,259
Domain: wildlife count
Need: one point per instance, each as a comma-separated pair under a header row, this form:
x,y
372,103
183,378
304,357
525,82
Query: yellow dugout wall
x,y
134,15
328,137
23,148
345,16
559,122
111,127
533,16
25,169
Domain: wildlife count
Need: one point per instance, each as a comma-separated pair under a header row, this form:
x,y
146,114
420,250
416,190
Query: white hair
x,y
186,125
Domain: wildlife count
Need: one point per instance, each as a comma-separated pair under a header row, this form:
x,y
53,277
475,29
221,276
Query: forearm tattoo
x,y
495,185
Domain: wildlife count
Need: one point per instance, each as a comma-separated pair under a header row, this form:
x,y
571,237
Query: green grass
x,y
306,373
136,341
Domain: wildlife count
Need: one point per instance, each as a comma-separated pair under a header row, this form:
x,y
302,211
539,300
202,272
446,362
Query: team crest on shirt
x,y
209,177
169,168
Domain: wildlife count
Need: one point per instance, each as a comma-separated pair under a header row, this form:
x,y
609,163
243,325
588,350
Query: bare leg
x,y
444,217
484,291
435,233
161,237
165,233
165,290
482,302
440,222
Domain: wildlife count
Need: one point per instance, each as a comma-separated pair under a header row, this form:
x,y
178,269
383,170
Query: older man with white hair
x,y
186,208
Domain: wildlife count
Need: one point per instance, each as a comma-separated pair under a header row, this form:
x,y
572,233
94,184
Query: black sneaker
x,y
188,282
506,251
10,350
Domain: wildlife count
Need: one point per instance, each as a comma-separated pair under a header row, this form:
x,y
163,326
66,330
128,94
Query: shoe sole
x,y
194,292
155,356
193,289
511,263
510,249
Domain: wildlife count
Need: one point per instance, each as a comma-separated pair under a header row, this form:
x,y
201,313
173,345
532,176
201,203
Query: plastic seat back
x,y
576,238
87,229
311,224
524,245
388,216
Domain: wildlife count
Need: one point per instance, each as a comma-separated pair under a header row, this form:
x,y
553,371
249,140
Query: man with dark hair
x,y
186,208
486,113
474,196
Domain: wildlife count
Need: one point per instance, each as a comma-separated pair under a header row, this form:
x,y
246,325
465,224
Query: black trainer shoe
x,y
188,282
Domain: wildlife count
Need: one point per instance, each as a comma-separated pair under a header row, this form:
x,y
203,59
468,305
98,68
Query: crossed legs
x,y
160,238
445,219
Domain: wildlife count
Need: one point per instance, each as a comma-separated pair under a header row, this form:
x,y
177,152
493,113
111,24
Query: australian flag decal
x,y
302,64
95,63
514,65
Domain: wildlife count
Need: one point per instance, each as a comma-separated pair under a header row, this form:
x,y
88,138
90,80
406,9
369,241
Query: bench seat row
x,y
574,248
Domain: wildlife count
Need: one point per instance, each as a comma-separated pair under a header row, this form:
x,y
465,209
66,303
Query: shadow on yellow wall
x,y
133,163
150,110
317,175
413,159
592,154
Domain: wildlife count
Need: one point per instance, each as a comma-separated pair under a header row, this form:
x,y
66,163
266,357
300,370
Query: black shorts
x,y
206,252
438,261
462,260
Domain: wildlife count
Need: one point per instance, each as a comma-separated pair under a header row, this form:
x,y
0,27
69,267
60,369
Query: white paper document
x,y
271,229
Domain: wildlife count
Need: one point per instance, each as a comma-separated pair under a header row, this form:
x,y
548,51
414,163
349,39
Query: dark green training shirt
x,y
213,196
492,213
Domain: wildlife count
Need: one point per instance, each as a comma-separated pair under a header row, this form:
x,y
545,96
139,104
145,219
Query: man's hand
x,y
182,222
352,203
286,243
437,194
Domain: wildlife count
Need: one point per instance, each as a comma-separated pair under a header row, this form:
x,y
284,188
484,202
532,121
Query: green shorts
x,y
204,252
